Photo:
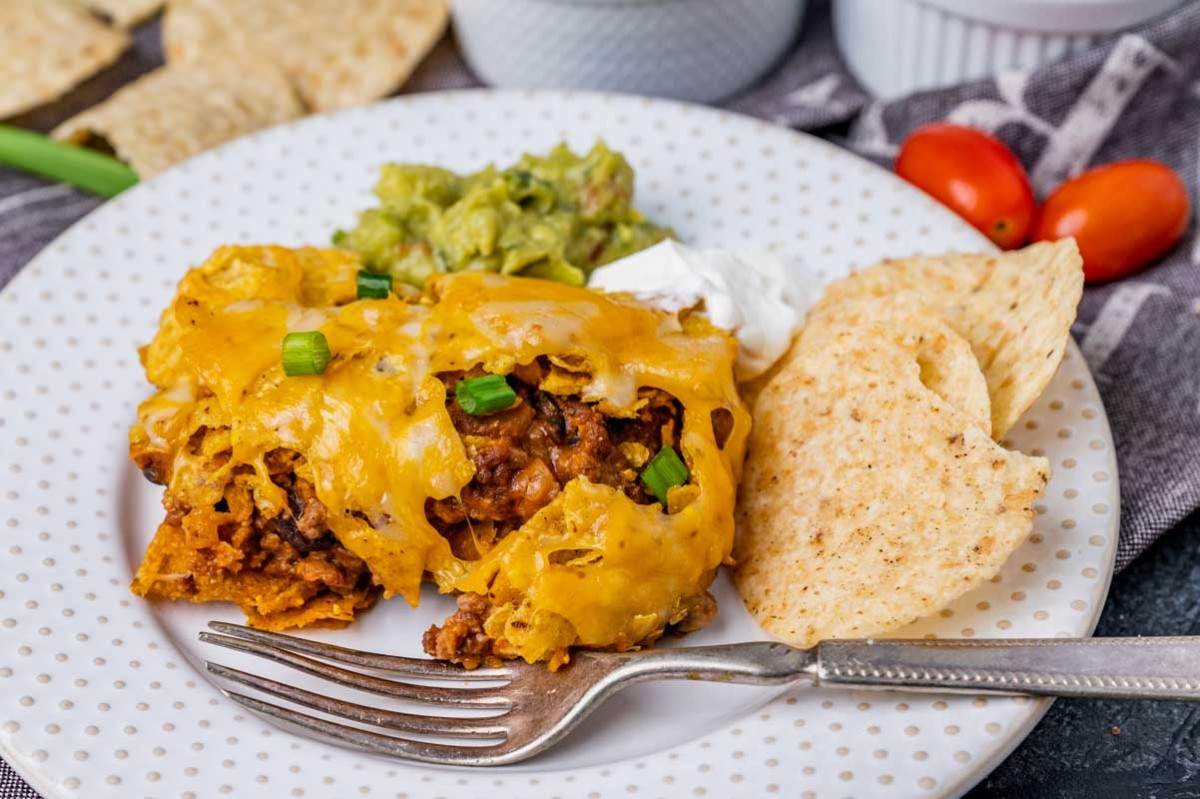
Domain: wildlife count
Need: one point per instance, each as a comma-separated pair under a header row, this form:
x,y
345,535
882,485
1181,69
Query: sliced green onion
x,y
87,169
664,472
373,286
483,395
305,353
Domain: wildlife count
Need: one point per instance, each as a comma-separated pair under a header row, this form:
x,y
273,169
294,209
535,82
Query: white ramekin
x,y
698,50
895,47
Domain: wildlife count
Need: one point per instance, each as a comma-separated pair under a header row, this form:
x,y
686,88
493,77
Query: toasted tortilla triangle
x,y
48,48
869,500
177,111
337,53
1015,308
948,366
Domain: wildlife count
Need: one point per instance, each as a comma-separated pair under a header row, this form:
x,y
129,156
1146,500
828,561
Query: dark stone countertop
x,y
1122,750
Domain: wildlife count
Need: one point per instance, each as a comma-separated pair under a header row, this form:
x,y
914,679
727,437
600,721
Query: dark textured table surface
x,y
1140,750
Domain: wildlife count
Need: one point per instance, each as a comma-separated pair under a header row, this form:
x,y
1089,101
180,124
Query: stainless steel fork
x,y
529,709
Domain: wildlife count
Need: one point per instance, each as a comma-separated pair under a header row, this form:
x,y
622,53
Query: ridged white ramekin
x,y
895,47
699,50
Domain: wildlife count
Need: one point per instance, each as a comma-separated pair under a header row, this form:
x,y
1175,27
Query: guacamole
x,y
557,217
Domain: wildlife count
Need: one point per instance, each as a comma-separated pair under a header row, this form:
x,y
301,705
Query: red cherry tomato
x,y
1124,216
974,175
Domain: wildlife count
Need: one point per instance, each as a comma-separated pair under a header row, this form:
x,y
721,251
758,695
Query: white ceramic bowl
x,y
697,50
895,47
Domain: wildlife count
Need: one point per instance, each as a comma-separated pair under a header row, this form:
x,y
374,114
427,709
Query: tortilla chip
x,y
125,13
948,366
174,568
945,277
868,500
1019,324
46,48
1016,309
338,53
176,112
327,612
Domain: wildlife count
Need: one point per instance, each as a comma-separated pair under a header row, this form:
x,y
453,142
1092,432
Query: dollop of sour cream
x,y
759,297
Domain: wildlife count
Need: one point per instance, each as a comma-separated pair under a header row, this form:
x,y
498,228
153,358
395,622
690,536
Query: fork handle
x,y
1108,668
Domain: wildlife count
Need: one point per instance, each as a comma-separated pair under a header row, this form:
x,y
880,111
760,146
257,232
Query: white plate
x,y
100,692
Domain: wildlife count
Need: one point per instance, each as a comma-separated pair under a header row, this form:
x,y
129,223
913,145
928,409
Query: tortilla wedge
x,y
1016,309
337,54
948,366
49,47
868,500
176,112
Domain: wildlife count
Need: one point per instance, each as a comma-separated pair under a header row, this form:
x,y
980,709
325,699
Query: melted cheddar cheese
x,y
377,441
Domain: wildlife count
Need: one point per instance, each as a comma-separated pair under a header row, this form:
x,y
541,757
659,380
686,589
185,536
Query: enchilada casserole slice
x,y
304,498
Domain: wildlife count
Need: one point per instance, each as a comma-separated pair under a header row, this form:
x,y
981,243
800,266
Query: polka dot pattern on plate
x,y
104,695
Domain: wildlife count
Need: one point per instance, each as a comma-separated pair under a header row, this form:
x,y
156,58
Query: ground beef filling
x,y
461,638
298,541
295,545
523,456
303,525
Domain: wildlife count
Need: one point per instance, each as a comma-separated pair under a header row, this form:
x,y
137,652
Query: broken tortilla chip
x,y
176,112
48,48
1016,309
171,570
948,366
337,54
125,13
868,500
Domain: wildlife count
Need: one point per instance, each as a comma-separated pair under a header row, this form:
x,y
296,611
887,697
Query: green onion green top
x,y
665,471
305,353
87,169
479,396
373,286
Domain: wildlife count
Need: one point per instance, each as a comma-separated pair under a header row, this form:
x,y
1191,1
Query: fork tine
x,y
431,694
407,667
442,754
462,727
